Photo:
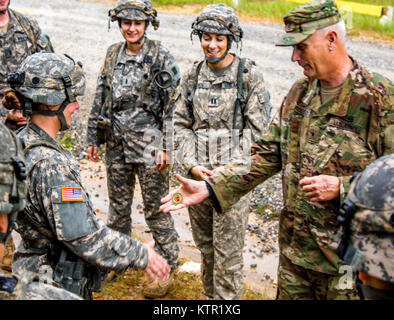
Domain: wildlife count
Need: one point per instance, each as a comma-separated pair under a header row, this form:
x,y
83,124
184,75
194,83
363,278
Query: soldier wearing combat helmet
x,y
131,107
28,286
60,233
222,98
333,122
367,217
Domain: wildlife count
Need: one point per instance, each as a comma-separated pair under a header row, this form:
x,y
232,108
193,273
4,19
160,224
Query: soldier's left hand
x,y
320,188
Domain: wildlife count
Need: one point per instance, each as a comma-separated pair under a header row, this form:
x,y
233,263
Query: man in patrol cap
x,y
367,216
332,123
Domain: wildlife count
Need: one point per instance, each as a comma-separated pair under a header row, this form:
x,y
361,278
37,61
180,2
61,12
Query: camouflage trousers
x,y
298,283
121,180
220,237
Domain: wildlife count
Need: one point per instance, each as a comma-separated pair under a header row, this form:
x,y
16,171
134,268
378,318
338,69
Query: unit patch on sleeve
x,y
72,194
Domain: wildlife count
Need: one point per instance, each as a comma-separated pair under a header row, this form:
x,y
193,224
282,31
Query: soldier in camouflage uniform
x,y
367,242
209,116
331,124
12,200
132,98
20,36
60,232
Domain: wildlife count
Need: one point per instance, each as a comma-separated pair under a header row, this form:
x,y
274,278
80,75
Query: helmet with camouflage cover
x,y
369,210
50,79
12,176
218,19
135,10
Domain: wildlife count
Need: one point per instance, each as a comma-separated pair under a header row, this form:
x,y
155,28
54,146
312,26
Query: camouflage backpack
x,y
243,86
12,176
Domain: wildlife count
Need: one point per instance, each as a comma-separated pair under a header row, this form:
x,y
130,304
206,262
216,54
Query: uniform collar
x,y
229,75
139,57
339,106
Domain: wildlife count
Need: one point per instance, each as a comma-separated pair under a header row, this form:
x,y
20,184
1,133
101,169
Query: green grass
x,y
186,286
368,26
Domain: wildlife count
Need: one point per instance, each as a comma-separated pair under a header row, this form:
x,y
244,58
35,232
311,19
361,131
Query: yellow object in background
x,y
355,7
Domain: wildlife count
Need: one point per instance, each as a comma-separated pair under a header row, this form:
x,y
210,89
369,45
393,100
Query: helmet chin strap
x,y
140,39
217,60
59,113
6,9
213,60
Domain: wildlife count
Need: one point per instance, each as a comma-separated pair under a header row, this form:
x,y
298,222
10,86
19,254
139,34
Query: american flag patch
x,y
72,194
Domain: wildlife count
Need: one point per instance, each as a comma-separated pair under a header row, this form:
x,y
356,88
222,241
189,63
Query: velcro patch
x,y
72,194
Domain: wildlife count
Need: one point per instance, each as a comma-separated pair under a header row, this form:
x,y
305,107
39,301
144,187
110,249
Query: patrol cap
x,y
304,20
371,249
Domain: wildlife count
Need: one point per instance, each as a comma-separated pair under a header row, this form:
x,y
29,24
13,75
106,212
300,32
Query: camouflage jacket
x,y
58,204
137,104
308,138
205,133
15,46
32,286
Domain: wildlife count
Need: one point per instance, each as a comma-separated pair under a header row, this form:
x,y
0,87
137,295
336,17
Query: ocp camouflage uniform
x,y
219,236
308,138
20,41
51,220
139,108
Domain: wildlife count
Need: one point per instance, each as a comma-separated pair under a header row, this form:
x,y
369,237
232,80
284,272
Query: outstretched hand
x,y
192,192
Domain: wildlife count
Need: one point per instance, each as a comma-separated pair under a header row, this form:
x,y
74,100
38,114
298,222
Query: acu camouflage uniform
x,y
206,125
12,199
308,138
138,110
23,38
49,220
59,230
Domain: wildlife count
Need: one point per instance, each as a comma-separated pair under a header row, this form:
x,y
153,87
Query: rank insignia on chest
x,y
213,102
72,194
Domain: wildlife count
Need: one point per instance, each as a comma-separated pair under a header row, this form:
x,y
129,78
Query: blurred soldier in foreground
x,y
28,286
20,36
221,98
367,216
332,123
60,232
131,108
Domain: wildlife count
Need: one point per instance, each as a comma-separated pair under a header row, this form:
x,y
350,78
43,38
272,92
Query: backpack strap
x,y
108,71
27,27
192,84
11,165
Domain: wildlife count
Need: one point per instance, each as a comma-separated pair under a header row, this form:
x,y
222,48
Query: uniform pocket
x,y
71,216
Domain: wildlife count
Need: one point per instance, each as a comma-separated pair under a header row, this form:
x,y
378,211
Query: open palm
x,y
192,191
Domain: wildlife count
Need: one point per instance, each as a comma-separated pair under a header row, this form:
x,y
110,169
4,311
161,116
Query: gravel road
x,y
80,29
